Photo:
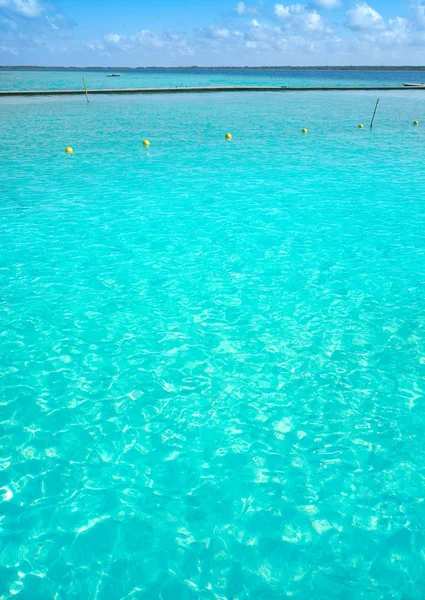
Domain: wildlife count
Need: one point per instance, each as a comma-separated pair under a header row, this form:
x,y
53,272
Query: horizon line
x,y
283,67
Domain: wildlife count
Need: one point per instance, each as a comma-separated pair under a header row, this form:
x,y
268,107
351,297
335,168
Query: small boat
x,y
114,75
414,85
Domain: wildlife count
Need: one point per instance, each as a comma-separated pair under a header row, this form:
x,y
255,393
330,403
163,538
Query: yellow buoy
x,y
228,136
69,150
304,130
361,126
415,122
146,143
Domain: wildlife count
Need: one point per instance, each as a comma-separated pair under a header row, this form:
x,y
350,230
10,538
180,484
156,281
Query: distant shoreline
x,y
196,68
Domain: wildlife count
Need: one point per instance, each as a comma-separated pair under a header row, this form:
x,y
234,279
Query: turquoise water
x,y
68,80
212,354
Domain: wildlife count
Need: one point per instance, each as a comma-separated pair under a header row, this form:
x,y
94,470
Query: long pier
x,y
207,90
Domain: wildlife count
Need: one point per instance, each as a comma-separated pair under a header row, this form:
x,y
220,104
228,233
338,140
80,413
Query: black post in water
x,y
374,113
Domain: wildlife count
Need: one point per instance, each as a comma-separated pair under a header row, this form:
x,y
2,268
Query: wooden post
x,y
85,89
374,113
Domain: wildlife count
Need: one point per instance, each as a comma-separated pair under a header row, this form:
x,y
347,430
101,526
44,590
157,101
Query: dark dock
x,y
205,90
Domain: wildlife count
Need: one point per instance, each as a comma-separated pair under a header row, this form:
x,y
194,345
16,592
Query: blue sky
x,y
224,32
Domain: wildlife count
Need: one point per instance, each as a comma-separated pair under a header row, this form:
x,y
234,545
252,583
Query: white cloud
x,y
263,35
176,40
297,16
8,24
364,17
36,30
285,42
389,40
396,33
9,50
96,46
417,12
282,11
375,35
173,42
217,32
329,4
147,39
27,8
298,34
52,23
242,9
113,38
57,49
143,38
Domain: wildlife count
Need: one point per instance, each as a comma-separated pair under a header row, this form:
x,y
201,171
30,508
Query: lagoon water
x,y
212,353
71,80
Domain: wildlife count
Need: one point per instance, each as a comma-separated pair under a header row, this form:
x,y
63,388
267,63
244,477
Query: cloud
x,y
34,28
53,49
297,16
113,38
297,29
296,32
172,41
142,39
147,39
262,37
242,9
363,17
396,33
9,50
376,35
8,24
389,38
417,12
217,32
96,46
178,42
52,23
329,4
27,8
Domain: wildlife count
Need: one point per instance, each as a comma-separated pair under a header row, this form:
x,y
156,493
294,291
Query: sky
x,y
220,33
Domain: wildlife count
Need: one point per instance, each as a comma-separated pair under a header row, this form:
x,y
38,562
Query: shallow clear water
x,y
212,354
68,80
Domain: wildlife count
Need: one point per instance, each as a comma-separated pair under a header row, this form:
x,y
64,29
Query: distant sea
x,y
11,79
